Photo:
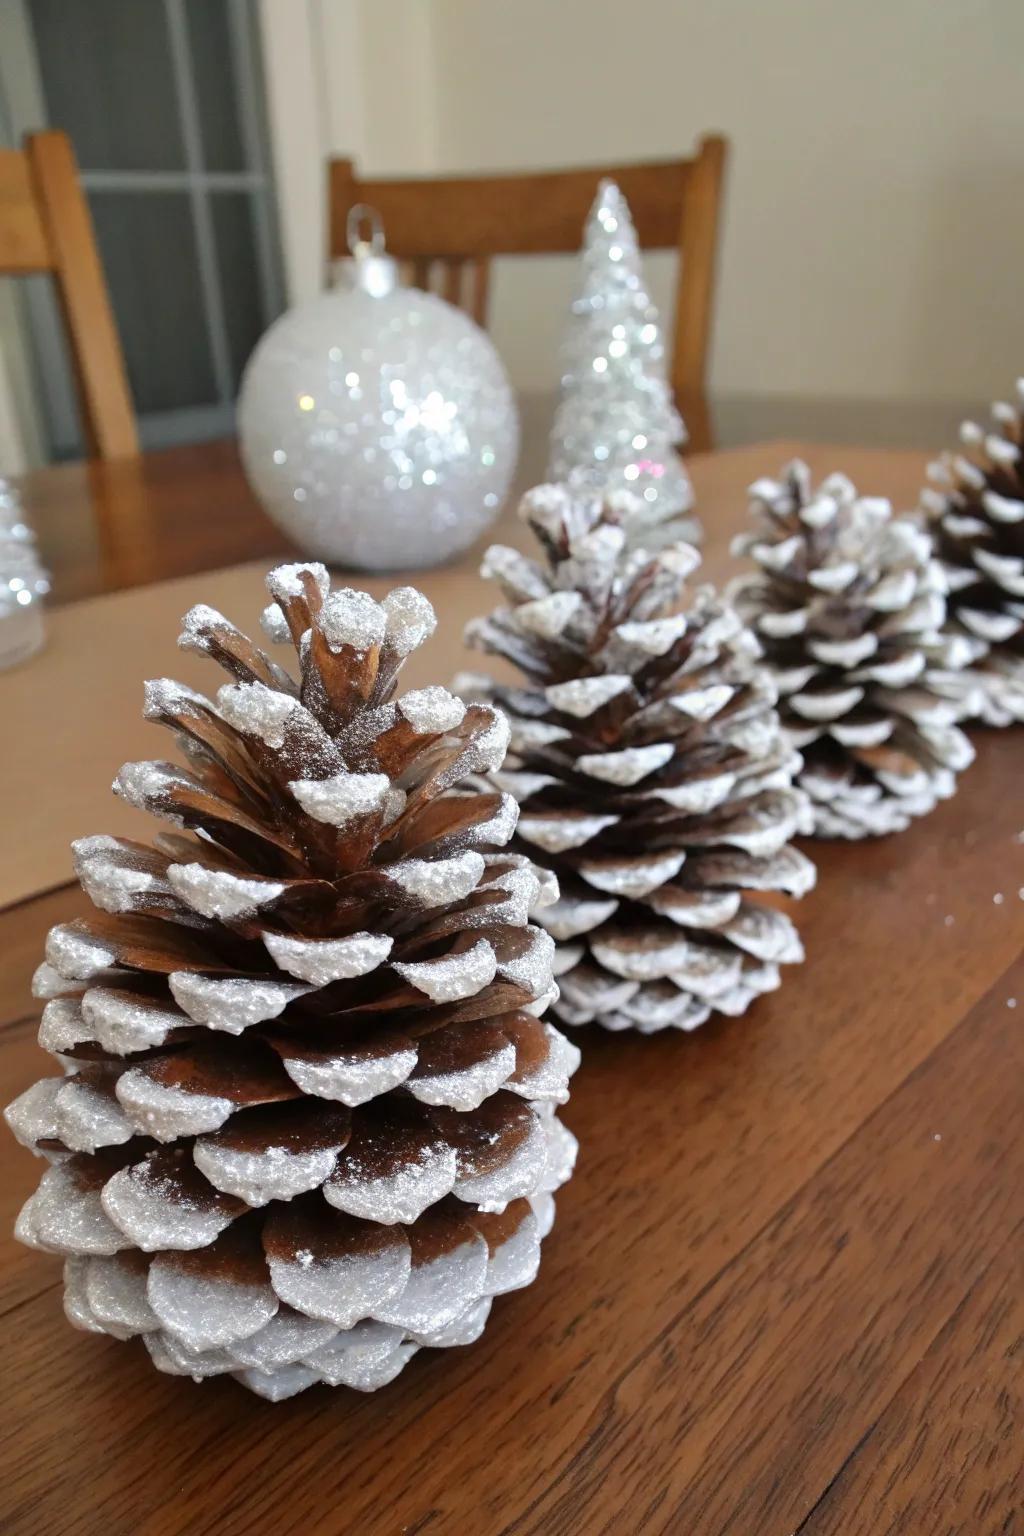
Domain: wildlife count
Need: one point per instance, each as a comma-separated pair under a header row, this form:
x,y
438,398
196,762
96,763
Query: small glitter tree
x,y
616,423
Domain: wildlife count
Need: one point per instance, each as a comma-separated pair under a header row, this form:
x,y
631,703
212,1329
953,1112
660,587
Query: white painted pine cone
x,y
652,774
307,1124
848,605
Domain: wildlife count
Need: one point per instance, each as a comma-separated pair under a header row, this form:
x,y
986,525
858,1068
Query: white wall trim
x,y
293,69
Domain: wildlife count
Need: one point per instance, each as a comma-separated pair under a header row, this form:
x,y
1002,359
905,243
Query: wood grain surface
x,y
783,1292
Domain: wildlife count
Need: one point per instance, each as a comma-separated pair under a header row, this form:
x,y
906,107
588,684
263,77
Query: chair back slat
x,y
452,286
45,226
462,222
480,270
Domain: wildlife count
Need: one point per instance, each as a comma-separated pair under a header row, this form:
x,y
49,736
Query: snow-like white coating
x,y
569,917
48,982
353,1076
397,1182
143,783
345,1287
453,976
546,617
110,885
206,1310
764,933
285,581
166,1112
653,637
353,618
410,619
66,1216
499,828
627,767
62,1025
164,696
437,882
527,734
555,832
526,957
32,1116
585,695
343,797
516,1176
548,1082
702,703
77,955
269,1173
634,877
220,894
289,1336
123,1022
487,750
115,1289
153,1209
466,1087
87,1116
520,576
439,1289
827,703
256,710
196,627
233,1003
430,710
274,625
321,961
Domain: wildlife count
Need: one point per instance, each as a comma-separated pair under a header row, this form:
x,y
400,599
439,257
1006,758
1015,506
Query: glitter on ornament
x,y
377,423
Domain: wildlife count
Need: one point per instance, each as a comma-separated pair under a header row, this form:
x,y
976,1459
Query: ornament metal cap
x,y
370,268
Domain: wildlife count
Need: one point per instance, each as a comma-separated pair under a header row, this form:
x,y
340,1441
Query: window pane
x,y
147,241
235,239
216,84
107,80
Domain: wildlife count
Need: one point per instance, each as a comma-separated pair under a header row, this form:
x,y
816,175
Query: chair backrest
x,y
459,223
45,227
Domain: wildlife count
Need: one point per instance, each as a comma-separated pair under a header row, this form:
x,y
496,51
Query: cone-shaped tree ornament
x,y
615,425
23,583
975,507
848,605
651,770
308,1124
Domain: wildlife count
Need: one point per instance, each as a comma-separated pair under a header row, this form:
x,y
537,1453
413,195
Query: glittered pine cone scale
x,y
848,606
652,775
307,1123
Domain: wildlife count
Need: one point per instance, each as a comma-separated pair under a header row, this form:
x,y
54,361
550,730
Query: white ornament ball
x,y
377,424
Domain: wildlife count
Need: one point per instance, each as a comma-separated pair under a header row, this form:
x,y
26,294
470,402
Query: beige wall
x,y
874,236
874,241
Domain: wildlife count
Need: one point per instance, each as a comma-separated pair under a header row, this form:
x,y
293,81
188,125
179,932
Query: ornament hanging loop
x,y
361,214
370,268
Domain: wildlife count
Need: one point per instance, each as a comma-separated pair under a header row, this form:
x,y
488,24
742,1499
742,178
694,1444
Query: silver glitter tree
x,y
616,422
23,583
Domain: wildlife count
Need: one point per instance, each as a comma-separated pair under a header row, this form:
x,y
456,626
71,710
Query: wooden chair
x,y
460,223
45,227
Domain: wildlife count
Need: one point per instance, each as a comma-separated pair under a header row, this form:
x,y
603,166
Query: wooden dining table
x,y
785,1288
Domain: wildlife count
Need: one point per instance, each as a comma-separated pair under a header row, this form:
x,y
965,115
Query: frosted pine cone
x,y
308,1124
650,767
975,508
848,606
